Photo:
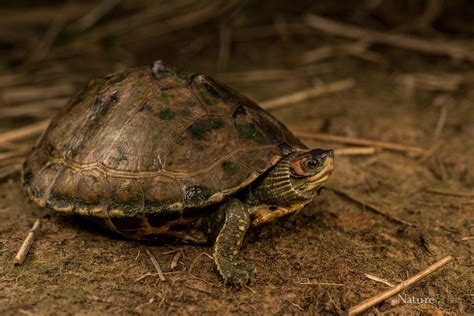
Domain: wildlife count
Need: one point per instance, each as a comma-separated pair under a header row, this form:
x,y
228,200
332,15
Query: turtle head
x,y
310,170
291,184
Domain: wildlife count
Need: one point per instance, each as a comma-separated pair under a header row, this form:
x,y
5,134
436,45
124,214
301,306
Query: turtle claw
x,y
238,274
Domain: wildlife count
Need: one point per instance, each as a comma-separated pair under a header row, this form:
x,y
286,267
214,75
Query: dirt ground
x,y
315,261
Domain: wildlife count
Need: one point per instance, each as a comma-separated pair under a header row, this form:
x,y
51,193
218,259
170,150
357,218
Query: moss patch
x,y
200,129
250,131
229,168
166,114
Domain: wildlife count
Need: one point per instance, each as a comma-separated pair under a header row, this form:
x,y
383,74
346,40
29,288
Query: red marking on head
x,y
296,167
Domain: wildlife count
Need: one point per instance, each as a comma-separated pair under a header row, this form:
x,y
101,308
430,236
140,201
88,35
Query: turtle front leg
x,y
229,241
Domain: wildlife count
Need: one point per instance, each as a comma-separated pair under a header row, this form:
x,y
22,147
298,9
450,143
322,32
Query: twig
x,y
358,49
411,150
21,152
291,302
318,54
448,192
24,131
138,254
258,32
336,86
371,207
156,274
145,275
256,75
155,264
44,108
199,289
25,247
10,161
444,82
437,133
281,28
225,45
93,16
196,259
321,283
10,170
43,45
152,14
438,168
433,8
40,15
188,19
33,93
267,74
174,261
375,278
402,41
402,286
355,151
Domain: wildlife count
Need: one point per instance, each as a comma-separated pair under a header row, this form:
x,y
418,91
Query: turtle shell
x,y
155,143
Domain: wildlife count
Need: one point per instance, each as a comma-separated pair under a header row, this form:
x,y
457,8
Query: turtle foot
x,y
237,273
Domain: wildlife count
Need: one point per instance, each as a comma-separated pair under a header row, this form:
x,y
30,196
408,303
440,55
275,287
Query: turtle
x,y
157,153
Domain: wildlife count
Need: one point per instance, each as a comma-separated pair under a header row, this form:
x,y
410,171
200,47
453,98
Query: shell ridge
x,y
129,119
178,137
47,194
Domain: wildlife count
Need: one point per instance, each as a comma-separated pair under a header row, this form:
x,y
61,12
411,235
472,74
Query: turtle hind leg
x,y
229,241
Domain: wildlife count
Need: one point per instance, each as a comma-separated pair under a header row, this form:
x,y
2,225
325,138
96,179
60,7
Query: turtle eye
x,y
311,164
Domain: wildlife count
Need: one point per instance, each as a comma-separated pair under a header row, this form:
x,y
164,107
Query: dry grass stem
x,y
25,247
41,14
45,44
33,93
258,32
431,82
44,108
179,22
356,151
443,115
268,74
411,150
358,49
145,275
225,47
174,261
375,278
371,207
93,16
452,193
156,265
400,287
256,75
23,132
196,259
10,170
321,283
21,152
141,18
300,96
401,41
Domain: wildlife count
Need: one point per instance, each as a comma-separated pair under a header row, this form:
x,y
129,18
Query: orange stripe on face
x,y
296,167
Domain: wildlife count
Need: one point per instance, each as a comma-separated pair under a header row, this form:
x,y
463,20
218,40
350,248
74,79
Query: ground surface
x,y
313,261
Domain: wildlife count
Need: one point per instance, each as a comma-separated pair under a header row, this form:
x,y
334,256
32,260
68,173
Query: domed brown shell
x,y
152,140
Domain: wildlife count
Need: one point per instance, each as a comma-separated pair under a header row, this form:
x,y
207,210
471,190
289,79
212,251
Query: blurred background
x,y
394,72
